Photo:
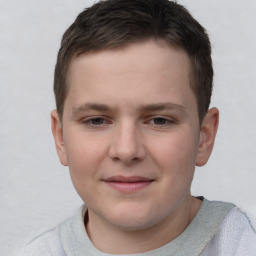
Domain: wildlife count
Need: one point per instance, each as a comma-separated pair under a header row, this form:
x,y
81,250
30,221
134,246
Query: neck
x,y
115,240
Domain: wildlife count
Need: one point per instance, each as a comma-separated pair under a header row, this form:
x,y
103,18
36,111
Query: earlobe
x,y
207,136
57,132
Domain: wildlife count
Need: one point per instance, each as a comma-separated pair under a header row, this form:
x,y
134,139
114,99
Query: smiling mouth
x,y
128,184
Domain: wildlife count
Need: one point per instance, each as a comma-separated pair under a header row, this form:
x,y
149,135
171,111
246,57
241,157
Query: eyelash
x,y
89,121
102,121
167,121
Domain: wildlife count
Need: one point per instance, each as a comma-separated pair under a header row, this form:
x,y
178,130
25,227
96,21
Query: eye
x,y
161,121
95,121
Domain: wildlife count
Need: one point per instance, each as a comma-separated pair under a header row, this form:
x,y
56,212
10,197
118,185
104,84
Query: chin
x,y
133,224
132,219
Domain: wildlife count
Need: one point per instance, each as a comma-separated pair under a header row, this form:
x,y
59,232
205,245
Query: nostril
x,y
115,159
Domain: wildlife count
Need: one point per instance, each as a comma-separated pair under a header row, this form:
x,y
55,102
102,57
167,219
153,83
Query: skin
x,y
132,115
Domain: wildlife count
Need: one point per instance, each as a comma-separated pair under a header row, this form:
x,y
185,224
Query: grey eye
x,y
97,121
159,121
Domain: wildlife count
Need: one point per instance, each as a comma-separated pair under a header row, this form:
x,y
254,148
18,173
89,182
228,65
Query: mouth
x,y
128,184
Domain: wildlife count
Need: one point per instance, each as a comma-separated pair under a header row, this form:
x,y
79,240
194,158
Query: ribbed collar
x,y
190,243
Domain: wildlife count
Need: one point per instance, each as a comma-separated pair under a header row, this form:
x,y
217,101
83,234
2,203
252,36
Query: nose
x,y
127,145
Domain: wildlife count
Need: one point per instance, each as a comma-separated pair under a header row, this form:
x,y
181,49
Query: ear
x,y
208,132
57,132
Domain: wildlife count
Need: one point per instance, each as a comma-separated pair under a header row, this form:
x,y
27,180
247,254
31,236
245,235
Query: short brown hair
x,y
111,24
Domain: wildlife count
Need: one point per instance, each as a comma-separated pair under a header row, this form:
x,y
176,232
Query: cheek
x,y
176,153
83,167
82,148
84,156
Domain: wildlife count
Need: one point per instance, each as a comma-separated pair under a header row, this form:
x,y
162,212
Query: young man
x,y
133,83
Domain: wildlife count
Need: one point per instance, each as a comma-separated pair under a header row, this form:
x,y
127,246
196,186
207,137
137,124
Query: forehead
x,y
147,49
141,69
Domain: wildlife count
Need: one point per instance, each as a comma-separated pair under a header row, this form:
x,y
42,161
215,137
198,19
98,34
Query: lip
x,y
128,184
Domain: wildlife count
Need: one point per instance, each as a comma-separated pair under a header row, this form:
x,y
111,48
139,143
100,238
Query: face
x,y
130,133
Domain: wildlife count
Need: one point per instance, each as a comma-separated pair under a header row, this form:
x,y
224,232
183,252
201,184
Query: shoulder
x,y
235,236
237,225
48,243
52,242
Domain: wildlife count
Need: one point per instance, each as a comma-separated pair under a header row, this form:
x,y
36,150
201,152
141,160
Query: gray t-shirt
x,y
218,229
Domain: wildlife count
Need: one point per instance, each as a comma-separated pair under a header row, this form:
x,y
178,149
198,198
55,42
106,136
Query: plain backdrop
x,y
35,190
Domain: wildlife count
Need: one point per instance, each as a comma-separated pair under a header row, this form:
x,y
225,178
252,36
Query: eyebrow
x,y
162,106
90,106
143,108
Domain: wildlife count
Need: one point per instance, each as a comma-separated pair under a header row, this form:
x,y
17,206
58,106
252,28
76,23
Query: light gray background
x,y
35,190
